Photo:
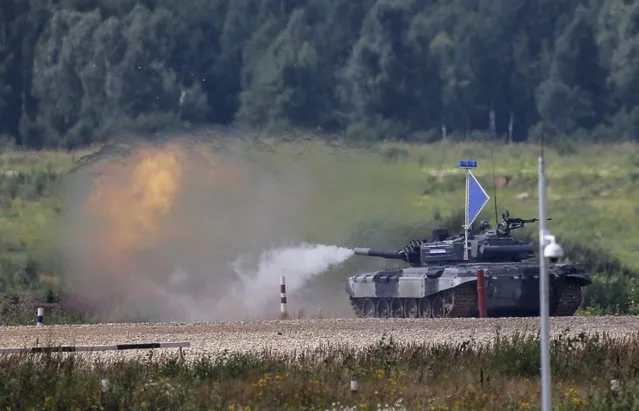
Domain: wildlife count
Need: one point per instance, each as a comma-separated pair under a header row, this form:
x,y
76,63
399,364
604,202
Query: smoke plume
x,y
167,232
298,264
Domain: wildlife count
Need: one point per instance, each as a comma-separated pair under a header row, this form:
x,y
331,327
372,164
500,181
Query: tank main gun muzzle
x,y
389,253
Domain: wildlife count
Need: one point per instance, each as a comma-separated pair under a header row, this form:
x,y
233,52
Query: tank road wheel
x,y
437,307
427,308
443,305
383,308
368,308
569,300
449,302
412,308
356,305
396,309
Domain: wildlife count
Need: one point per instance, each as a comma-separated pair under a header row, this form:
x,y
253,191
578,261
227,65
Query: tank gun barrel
x,y
532,220
389,253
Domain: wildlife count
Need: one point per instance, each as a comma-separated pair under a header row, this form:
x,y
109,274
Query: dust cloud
x,y
186,231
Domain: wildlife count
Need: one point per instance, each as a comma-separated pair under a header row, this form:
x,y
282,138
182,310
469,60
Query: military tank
x,y
439,282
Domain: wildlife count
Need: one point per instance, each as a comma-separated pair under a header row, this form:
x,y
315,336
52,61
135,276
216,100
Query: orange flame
x,y
143,217
131,200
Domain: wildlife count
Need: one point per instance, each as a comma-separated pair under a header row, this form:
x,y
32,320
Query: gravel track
x,y
297,335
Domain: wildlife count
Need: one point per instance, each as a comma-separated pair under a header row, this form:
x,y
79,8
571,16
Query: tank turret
x,y
490,245
499,245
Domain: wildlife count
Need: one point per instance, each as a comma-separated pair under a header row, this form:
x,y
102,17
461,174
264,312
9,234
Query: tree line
x,y
73,72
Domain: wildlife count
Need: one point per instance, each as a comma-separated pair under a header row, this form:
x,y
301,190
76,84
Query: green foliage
x,y
20,309
404,376
29,204
377,69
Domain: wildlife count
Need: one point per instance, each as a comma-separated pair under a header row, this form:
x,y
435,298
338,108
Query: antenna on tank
x,y
493,136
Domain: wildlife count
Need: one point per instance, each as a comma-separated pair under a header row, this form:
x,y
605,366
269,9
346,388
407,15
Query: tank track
x,y
569,300
457,302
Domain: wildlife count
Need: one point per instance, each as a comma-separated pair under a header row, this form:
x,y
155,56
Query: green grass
x,y
593,200
501,376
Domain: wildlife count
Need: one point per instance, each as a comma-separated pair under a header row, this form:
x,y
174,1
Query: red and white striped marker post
x,y
283,313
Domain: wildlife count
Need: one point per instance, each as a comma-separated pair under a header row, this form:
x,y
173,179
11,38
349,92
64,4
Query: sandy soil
x,y
296,335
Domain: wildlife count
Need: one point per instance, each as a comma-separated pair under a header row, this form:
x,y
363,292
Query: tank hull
x,y
511,289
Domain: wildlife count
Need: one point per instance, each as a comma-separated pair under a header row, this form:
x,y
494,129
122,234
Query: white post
x,y
40,316
104,384
614,385
543,294
283,313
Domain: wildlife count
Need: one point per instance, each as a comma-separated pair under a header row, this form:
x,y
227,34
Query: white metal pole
x,y
466,228
543,294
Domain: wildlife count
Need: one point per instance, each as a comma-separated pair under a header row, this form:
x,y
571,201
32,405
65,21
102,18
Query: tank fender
x,y
573,271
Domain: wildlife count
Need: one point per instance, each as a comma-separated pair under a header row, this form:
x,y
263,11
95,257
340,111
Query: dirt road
x,y
286,336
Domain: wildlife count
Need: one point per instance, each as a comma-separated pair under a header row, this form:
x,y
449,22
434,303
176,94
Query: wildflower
x,y
379,373
576,400
524,404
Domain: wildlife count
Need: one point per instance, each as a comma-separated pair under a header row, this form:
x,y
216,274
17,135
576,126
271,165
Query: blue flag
x,y
476,200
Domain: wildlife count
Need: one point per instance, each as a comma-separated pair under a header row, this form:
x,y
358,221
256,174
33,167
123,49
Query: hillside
x,y
282,192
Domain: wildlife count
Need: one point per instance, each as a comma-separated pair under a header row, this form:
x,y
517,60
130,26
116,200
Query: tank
x,y
438,282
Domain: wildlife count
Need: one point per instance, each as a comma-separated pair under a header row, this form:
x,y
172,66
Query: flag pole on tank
x,y
476,199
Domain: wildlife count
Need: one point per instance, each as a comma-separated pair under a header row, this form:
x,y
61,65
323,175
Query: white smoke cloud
x,y
298,264
257,296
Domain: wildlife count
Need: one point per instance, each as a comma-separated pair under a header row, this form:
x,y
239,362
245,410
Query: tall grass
x,y
501,375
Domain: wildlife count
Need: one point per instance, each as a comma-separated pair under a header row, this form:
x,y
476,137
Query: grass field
x,y
343,195
502,376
